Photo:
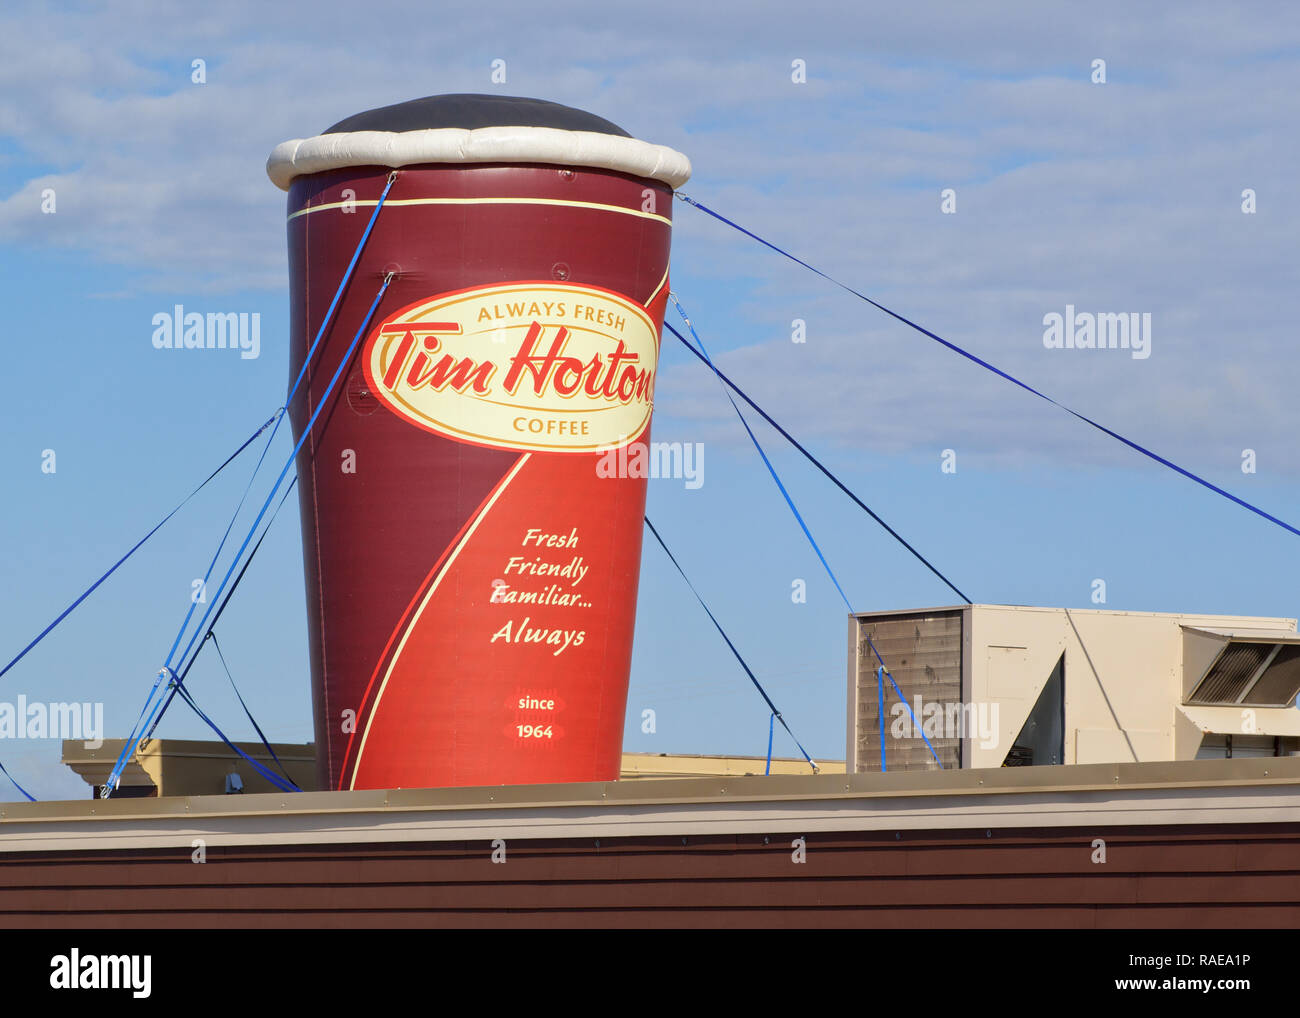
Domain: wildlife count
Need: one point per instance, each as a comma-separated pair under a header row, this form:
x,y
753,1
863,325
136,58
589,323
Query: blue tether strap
x,y
160,706
91,589
128,747
267,773
817,463
28,795
347,275
344,362
279,414
880,710
790,502
302,373
915,722
94,586
718,626
766,462
248,713
229,594
176,680
998,371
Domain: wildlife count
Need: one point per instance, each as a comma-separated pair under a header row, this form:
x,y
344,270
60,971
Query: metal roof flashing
x,y
1209,791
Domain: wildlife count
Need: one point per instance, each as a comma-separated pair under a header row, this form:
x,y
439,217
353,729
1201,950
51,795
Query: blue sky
x,y
1122,197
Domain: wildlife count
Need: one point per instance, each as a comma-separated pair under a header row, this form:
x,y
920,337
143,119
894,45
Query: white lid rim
x,y
324,152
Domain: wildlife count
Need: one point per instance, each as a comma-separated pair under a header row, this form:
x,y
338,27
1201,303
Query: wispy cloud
x,y
1122,197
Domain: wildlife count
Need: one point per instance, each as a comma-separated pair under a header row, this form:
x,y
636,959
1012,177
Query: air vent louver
x,y
1255,674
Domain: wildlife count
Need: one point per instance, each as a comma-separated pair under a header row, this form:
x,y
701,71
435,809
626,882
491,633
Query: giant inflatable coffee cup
x,y
471,567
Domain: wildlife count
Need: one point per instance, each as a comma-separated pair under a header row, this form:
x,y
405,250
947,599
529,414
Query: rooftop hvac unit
x,y
1005,686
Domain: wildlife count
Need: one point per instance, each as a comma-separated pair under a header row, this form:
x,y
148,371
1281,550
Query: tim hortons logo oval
x,y
528,365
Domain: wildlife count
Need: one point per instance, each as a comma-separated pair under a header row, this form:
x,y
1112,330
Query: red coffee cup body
x,y
471,530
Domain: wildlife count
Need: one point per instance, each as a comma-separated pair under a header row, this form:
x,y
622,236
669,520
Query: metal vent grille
x,y
1231,673
924,656
1280,683
1259,674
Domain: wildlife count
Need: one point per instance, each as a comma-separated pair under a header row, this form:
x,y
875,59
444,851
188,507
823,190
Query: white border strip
x,y
482,145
